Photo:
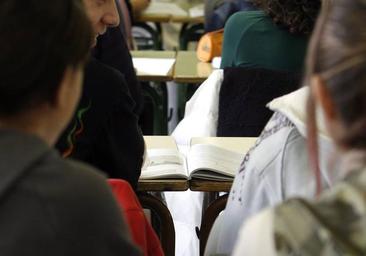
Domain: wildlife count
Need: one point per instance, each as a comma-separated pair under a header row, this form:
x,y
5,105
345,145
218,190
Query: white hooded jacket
x,y
277,168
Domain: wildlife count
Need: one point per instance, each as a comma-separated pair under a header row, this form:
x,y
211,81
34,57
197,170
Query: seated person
x,y
112,50
334,223
273,37
49,205
104,131
276,168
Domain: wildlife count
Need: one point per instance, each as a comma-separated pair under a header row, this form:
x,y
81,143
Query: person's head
x,y
102,14
297,16
336,71
43,46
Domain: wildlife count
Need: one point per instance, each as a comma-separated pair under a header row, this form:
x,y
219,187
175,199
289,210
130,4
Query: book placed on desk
x,y
216,159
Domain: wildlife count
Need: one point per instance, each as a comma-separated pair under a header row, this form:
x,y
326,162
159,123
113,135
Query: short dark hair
x,y
39,40
297,16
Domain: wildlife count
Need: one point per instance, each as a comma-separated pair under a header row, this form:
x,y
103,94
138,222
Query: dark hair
x,y
338,55
39,39
297,16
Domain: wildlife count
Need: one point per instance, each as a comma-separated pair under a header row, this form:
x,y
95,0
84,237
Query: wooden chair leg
x,y
166,229
209,218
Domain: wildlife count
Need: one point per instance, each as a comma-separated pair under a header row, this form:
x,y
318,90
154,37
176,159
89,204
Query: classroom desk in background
x,y
155,66
188,69
171,12
163,66
190,16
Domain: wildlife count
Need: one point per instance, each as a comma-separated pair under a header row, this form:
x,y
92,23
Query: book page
x,y
164,163
160,142
153,66
240,145
210,160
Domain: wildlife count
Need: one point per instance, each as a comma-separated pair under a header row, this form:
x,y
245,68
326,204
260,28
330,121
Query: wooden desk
x,y
157,18
161,12
156,142
187,19
143,76
154,203
237,144
215,202
168,12
163,185
210,186
188,69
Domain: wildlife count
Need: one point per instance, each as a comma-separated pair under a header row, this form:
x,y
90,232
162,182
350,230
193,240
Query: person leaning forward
x,y
104,131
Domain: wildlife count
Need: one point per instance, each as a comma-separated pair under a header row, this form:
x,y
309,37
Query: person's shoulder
x,y
69,176
277,134
104,77
106,86
71,188
246,15
80,208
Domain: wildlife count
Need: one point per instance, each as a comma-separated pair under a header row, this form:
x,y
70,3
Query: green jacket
x,y
252,40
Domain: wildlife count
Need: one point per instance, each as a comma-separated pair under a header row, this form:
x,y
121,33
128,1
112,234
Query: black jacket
x,y
52,206
104,131
112,50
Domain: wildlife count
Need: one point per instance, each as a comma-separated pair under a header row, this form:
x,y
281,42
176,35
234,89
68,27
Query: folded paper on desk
x,y
203,161
153,66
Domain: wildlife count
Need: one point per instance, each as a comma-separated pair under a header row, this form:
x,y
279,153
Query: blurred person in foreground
x,y
49,205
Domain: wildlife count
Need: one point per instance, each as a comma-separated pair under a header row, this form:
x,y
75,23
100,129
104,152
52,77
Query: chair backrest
x,y
243,97
142,232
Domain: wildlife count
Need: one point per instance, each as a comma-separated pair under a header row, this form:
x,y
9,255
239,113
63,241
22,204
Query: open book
x,y
215,159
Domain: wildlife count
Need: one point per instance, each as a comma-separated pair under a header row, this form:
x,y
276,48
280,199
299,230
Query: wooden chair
x,y
162,221
208,219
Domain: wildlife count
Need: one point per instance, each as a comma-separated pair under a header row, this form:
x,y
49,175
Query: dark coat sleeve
x,y
112,50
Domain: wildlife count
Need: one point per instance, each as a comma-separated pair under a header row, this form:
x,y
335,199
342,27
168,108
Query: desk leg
x,y
166,229
209,218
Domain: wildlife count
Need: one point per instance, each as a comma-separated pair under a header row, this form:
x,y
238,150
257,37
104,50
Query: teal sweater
x,y
251,39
